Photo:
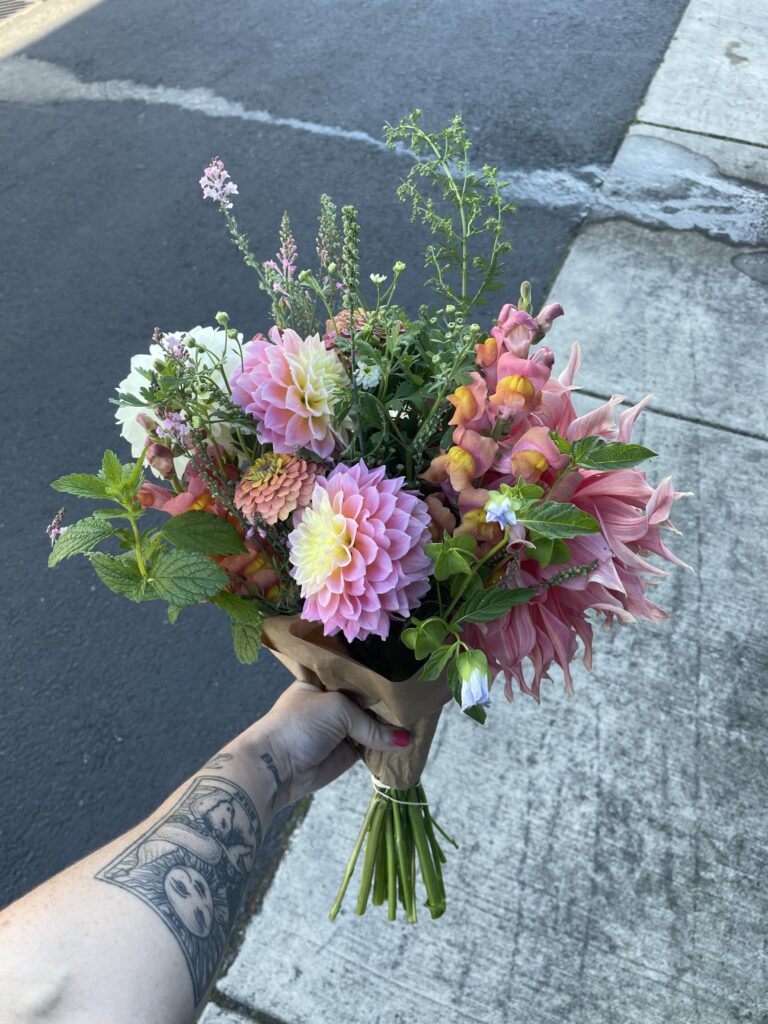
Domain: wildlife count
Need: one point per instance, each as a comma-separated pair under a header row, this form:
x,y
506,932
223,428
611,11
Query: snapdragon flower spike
x,y
217,184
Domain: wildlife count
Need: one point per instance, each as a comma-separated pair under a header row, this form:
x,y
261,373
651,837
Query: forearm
x,y
136,931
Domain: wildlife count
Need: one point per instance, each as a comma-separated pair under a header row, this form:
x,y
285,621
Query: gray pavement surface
x,y
106,122
613,855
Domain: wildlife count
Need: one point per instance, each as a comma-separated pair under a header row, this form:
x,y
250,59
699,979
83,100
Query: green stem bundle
x,y
397,831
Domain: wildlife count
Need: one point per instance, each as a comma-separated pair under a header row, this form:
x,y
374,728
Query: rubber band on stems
x,y
383,791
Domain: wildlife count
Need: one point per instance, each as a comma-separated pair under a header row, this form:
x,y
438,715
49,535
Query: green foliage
x,y
122,575
463,209
423,638
82,485
487,605
438,661
452,556
200,531
597,453
246,621
185,577
555,519
79,538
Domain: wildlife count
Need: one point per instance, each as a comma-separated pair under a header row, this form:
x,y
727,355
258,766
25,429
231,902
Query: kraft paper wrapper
x,y
413,704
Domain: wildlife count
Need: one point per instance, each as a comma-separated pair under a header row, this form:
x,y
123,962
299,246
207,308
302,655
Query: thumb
x,y
364,729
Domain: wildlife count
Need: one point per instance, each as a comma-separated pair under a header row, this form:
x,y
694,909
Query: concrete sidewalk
x,y
613,847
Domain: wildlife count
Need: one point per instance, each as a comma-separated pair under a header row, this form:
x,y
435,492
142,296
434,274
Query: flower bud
x,y
304,276
399,267
160,458
222,319
332,268
524,302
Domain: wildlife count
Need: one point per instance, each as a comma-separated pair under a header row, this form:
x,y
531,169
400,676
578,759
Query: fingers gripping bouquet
x,y
404,507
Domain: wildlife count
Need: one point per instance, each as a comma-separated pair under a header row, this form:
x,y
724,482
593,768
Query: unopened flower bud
x,y
304,276
222,319
399,267
450,309
160,458
332,268
524,302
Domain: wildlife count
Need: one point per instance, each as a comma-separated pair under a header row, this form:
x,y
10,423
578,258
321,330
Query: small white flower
x,y
378,278
368,375
500,509
474,690
209,340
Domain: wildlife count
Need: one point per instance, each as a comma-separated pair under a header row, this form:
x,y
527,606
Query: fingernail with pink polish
x,y
401,737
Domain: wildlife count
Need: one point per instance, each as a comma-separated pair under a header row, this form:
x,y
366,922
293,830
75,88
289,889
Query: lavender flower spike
x,y
217,185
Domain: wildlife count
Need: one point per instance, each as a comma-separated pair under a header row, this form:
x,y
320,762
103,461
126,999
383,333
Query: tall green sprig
x,y
466,216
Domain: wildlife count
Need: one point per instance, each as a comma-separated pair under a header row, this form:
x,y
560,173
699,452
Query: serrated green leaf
x,y
555,519
79,538
203,532
239,609
597,453
82,485
488,605
246,638
112,468
185,577
173,613
122,575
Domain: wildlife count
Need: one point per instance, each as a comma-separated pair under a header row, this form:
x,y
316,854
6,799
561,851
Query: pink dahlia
x,y
289,385
274,486
357,552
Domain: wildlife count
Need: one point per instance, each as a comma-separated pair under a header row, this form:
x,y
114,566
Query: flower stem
x,y
371,854
389,836
353,859
407,887
435,896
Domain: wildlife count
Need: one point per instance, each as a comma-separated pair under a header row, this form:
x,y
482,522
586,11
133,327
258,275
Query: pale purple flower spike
x,y
216,184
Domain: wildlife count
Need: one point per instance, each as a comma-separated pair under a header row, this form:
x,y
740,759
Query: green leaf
x,y
478,713
597,453
239,609
112,468
82,485
246,639
79,538
185,577
487,605
542,552
561,553
555,519
562,445
122,575
111,513
174,611
204,532
437,662
246,620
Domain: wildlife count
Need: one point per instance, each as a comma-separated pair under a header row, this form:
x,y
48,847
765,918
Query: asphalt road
x,y
105,708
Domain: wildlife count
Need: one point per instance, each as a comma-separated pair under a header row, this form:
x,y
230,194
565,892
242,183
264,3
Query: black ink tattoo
x,y
218,760
269,762
191,869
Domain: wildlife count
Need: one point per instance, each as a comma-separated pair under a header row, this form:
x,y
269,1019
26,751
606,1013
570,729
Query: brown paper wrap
x,y
413,704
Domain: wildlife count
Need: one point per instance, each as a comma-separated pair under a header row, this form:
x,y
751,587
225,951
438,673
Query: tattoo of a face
x,y
191,868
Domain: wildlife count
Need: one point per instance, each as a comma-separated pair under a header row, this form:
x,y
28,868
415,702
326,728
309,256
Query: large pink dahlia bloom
x,y
357,552
289,385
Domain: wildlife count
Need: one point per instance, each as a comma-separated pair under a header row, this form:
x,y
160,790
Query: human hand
x,y
308,732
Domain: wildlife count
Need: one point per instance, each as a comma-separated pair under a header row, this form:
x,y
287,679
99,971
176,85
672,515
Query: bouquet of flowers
x,y
405,507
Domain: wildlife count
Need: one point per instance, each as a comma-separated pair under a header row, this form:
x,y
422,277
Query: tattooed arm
x,y
136,931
